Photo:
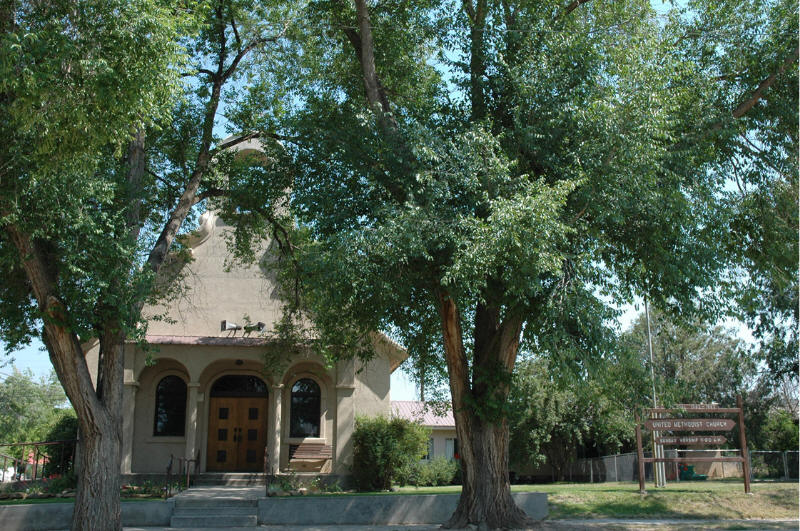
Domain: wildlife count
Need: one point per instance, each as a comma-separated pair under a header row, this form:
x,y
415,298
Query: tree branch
x,y
749,103
236,34
377,100
136,169
469,9
157,177
759,153
199,71
247,49
573,6
66,353
211,192
375,95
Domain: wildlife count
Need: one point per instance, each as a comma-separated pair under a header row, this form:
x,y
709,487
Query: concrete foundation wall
x,y
312,510
54,516
377,510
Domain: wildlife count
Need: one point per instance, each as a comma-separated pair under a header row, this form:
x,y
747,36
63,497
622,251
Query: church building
x,y
202,388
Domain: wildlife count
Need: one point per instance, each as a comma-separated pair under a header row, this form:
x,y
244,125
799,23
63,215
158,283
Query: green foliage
x,y
30,409
57,485
76,78
744,45
562,172
434,473
553,414
694,362
61,456
780,432
382,447
77,81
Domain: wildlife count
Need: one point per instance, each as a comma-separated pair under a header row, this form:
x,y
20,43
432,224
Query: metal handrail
x,y
182,462
38,455
39,443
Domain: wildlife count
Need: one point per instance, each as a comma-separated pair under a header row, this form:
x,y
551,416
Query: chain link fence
x,y
765,466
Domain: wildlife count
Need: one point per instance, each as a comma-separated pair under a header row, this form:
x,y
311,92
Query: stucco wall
x,y
215,288
372,388
198,366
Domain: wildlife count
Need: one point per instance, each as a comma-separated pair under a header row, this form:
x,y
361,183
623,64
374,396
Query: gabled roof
x,y
415,410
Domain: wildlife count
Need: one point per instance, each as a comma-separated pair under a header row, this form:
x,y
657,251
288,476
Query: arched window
x,y
305,410
239,385
170,417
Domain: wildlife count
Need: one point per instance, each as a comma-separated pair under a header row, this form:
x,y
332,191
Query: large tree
x,y
78,78
105,154
475,176
750,49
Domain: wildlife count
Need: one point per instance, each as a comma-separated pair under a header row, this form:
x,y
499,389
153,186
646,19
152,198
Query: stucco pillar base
x,y
128,412
274,444
191,421
345,424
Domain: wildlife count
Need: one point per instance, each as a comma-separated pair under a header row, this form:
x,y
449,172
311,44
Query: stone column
x,y
191,421
274,444
345,416
128,412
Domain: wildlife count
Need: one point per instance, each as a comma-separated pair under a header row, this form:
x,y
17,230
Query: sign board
x,y
657,425
712,405
693,440
690,424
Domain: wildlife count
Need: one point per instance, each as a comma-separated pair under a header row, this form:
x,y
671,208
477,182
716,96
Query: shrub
x,y
435,473
780,431
383,448
59,484
61,456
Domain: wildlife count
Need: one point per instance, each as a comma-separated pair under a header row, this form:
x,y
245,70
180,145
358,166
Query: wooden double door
x,y
237,434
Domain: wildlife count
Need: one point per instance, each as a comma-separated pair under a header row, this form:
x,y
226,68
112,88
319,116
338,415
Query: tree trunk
x,y
486,492
97,504
97,496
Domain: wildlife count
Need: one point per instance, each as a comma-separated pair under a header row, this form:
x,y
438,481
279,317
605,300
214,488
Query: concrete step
x,y
215,511
228,482
214,520
229,478
213,503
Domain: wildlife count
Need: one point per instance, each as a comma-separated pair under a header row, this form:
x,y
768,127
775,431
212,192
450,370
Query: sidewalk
x,y
547,525
638,524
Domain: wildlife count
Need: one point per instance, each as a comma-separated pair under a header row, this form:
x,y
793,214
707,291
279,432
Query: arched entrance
x,y
237,424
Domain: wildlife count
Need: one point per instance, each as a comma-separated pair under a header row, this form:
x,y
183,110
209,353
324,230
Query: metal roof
x,y
416,411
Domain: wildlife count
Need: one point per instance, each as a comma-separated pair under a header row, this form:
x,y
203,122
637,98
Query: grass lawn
x,y
685,500
28,501
696,499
